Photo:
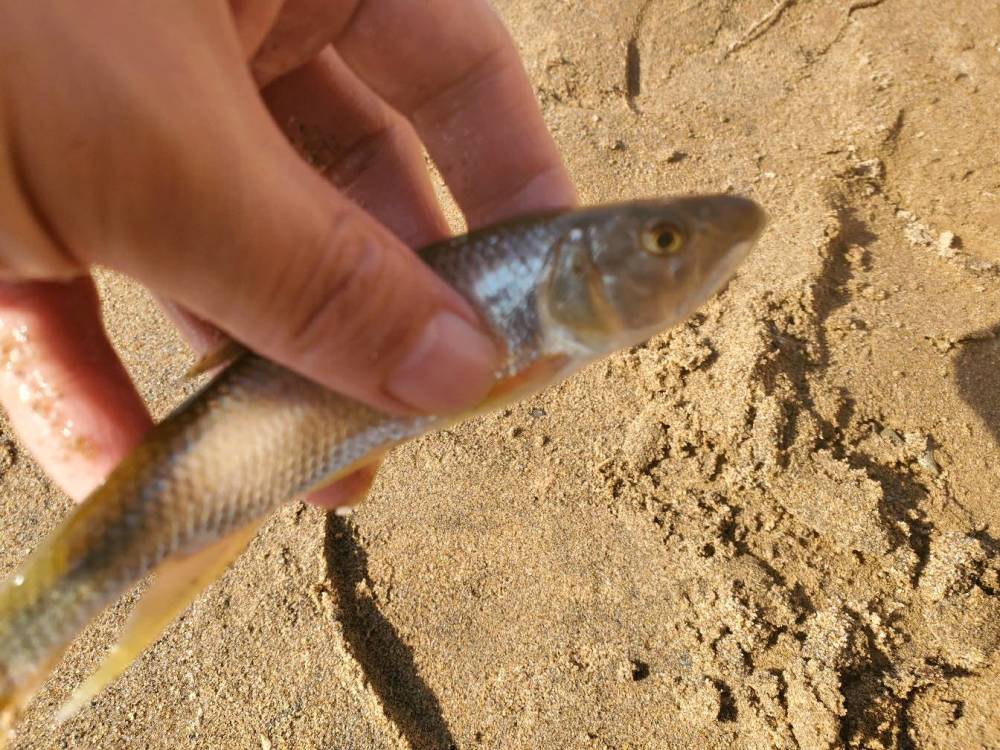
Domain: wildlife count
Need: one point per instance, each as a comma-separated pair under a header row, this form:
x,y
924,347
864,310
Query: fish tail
x,y
14,696
177,582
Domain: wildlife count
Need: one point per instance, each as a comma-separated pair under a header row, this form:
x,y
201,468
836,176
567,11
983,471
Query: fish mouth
x,y
740,221
742,218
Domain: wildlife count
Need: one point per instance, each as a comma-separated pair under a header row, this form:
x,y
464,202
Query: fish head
x,y
620,274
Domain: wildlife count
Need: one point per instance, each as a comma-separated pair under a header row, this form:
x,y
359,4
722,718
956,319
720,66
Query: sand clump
x,y
775,526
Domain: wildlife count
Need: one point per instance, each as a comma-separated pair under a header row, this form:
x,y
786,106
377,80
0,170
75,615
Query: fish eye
x,y
662,238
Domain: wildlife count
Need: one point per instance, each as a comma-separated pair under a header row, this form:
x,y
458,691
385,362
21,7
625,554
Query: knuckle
x,y
29,252
475,77
40,262
358,158
338,291
31,247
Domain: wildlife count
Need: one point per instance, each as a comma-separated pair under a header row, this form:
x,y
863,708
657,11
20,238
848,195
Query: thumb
x,y
308,279
200,197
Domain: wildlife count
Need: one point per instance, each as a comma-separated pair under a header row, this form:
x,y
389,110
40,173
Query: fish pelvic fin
x,y
178,581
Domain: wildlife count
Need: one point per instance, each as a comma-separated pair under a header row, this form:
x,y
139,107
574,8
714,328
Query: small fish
x,y
557,291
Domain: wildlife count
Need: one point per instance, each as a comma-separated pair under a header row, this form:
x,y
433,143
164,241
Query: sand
x,y
775,526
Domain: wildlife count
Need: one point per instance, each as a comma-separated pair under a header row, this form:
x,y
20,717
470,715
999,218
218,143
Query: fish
x,y
556,291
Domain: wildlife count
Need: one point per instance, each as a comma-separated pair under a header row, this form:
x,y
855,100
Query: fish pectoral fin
x,y
177,582
532,378
222,354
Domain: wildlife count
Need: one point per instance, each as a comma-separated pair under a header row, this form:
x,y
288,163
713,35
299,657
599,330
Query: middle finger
x,y
366,149
453,71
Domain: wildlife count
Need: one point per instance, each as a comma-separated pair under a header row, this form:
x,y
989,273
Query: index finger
x,y
459,79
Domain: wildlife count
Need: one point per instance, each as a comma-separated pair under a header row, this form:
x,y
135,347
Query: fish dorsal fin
x,y
178,581
223,354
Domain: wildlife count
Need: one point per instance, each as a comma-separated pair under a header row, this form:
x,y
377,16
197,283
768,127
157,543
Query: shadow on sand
x,y
386,660
977,372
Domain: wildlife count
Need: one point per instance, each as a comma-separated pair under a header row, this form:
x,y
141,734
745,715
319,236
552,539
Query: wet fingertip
x,y
347,492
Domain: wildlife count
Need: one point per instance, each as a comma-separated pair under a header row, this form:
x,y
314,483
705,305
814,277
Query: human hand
x,y
147,137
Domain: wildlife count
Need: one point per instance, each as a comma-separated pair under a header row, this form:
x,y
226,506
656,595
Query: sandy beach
x,y
776,526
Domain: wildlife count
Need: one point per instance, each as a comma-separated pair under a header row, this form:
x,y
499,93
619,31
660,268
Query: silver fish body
x,y
556,291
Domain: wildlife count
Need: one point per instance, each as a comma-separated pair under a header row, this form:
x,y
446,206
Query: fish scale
x,y
259,434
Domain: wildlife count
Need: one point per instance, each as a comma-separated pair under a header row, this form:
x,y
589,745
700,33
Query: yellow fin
x,y
532,378
222,354
177,583
13,702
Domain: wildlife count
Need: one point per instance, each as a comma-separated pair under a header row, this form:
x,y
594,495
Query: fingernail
x,y
448,368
